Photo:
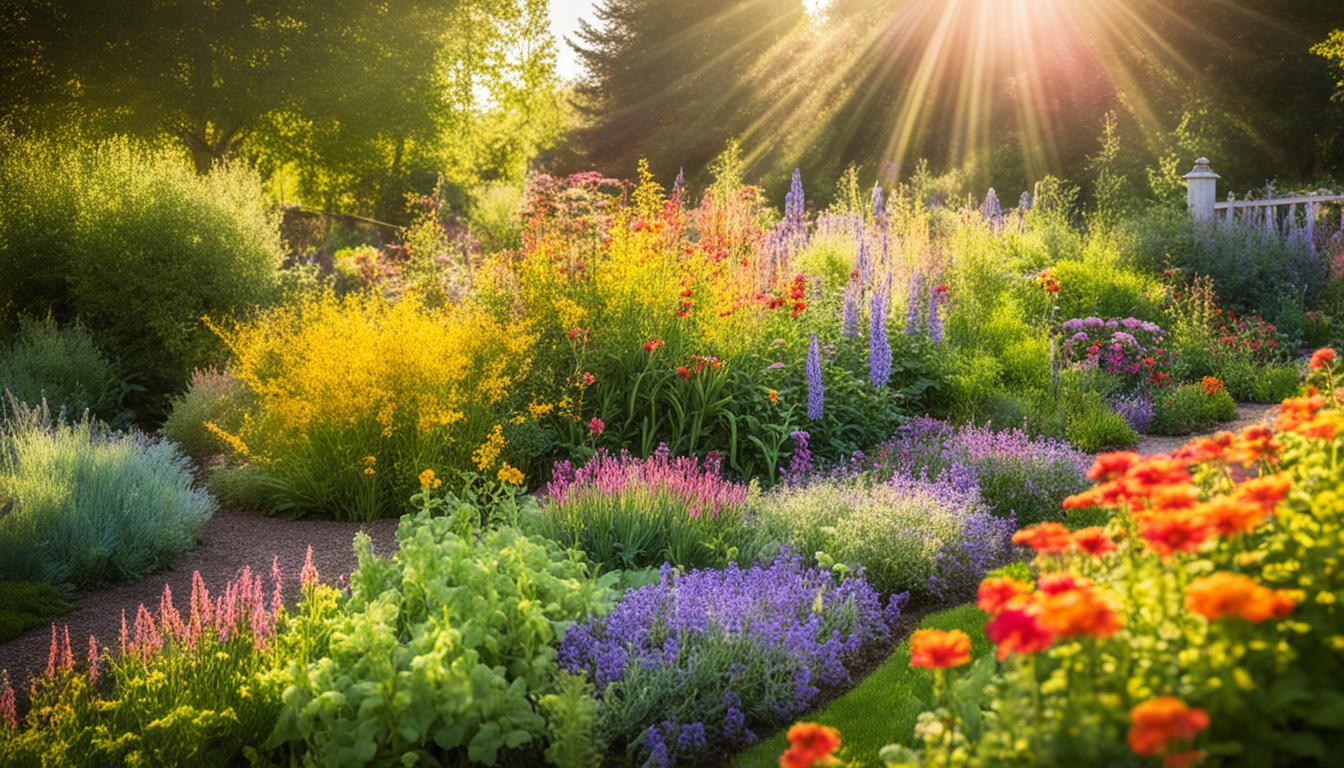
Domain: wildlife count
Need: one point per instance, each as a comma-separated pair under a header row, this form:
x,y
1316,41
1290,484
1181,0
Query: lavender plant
x,y
816,390
709,658
879,346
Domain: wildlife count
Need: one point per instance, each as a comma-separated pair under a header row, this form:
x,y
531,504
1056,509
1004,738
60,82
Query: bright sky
x,y
565,15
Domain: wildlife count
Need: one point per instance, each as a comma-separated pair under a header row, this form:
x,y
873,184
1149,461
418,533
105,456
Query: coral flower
x,y
1112,466
1225,594
1167,534
683,372
1322,358
810,745
1157,724
1079,612
1212,385
1155,472
1255,443
1018,630
1045,538
1000,592
650,346
1173,498
1093,540
1232,516
596,426
936,649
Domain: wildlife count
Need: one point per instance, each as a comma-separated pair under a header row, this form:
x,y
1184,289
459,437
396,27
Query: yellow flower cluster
x,y
488,452
509,474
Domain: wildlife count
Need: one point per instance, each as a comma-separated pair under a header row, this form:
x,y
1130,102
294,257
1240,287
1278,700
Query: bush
x,y
62,367
86,506
1192,407
136,245
444,651
925,538
26,604
1250,383
629,513
213,397
1093,425
703,660
347,400
1017,476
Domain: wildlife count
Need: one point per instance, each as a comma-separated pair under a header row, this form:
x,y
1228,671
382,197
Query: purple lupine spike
x,y
912,306
1024,202
794,205
991,209
679,184
879,346
849,324
816,391
935,322
879,201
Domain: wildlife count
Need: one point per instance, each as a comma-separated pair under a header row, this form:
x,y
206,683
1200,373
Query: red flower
x,y
1322,358
1093,540
810,745
998,593
683,372
1018,630
1112,466
650,346
1158,723
1045,538
589,379
596,426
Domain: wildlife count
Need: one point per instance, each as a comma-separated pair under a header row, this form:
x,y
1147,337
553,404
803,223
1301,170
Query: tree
x,y
347,89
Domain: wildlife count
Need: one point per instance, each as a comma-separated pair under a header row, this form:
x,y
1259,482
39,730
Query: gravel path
x,y
1247,414
230,540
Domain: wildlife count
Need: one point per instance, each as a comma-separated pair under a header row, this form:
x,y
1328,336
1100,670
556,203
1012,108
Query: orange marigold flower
x,y
1204,449
1324,427
1232,594
1296,411
999,592
1267,491
810,745
1045,538
1093,540
1157,724
936,649
1155,472
1255,443
1080,611
1229,516
1169,533
1018,630
1112,466
1172,498
1107,496
1322,358
1211,385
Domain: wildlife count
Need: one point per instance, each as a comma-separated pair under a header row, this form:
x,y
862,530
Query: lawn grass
x,y
24,605
883,708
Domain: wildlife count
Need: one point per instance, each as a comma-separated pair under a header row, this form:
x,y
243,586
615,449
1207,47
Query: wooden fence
x,y
1276,214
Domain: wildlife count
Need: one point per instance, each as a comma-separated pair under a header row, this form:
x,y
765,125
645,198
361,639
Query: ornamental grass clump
x,y
1199,625
82,505
1016,475
708,659
347,400
932,539
626,512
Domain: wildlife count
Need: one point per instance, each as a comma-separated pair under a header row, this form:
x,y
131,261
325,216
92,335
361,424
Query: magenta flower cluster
x,y
700,484
1128,347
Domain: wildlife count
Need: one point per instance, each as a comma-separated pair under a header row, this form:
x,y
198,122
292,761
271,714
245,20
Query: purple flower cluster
x,y
700,484
1017,475
699,658
800,465
879,346
1138,409
1128,347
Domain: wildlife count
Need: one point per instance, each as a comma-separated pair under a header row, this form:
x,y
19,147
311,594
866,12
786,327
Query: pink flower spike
x,y
94,661
278,581
123,632
308,576
67,656
9,712
53,654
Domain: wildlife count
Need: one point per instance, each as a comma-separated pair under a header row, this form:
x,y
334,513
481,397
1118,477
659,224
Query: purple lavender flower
x,y
991,210
800,460
935,322
879,202
794,211
1024,202
1137,409
816,391
879,346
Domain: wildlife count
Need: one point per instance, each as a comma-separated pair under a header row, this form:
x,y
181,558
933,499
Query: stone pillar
x,y
1201,189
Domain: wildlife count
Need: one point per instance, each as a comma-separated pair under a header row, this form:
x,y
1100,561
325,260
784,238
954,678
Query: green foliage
x,y
1100,285
1094,426
445,651
572,713
494,215
1250,383
26,604
62,367
1189,408
86,506
214,396
135,245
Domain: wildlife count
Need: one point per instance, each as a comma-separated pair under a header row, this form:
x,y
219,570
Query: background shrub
x,y
62,366
926,538
1190,407
213,397
84,506
27,604
1094,426
134,244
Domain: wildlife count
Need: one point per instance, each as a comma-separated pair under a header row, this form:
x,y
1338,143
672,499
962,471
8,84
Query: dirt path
x,y
1247,414
230,540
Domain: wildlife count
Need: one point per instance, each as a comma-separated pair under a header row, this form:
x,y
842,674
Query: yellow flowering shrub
x,y
355,396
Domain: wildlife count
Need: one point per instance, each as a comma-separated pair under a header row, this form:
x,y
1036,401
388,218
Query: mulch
x,y
230,540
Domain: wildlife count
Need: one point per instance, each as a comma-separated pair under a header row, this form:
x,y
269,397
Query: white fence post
x,y
1201,189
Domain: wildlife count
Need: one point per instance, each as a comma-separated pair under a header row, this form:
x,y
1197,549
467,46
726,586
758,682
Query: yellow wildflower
x,y
510,474
428,480
540,409
485,456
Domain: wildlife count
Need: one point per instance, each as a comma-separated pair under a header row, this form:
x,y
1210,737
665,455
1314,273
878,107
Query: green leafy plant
x,y
1191,407
62,367
213,397
27,604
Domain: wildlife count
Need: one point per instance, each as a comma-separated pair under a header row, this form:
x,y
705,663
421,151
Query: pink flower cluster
x,y
699,483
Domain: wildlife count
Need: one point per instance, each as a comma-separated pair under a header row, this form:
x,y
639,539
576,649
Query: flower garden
x,y
681,478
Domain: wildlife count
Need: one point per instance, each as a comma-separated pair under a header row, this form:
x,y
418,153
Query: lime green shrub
x,y
1192,407
61,366
213,397
27,604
